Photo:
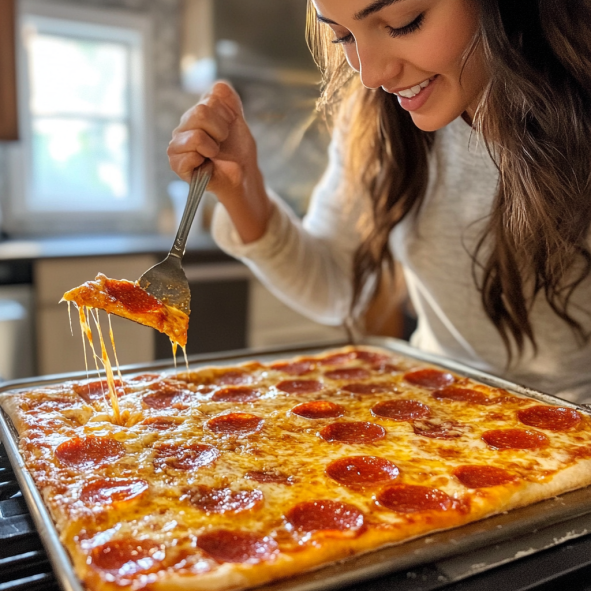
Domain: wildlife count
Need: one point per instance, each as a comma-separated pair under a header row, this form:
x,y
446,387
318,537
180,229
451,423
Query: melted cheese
x,y
287,444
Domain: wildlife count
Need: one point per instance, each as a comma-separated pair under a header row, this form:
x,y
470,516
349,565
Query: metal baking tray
x,y
458,553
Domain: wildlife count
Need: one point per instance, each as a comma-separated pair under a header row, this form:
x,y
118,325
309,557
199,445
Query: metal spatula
x,y
166,280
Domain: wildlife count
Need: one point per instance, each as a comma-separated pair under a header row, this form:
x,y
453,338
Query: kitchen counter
x,y
14,249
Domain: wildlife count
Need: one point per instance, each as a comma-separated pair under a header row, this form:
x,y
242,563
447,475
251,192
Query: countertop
x,y
200,248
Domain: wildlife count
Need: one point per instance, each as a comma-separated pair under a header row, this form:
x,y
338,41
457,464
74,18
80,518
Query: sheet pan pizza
x,y
230,477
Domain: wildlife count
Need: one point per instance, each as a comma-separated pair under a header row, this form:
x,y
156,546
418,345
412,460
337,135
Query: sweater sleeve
x,y
308,264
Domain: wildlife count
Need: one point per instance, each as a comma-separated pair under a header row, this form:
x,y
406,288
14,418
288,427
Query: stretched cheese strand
x,y
85,330
108,370
114,349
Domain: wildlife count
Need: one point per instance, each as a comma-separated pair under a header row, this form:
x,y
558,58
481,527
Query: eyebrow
x,y
362,14
373,8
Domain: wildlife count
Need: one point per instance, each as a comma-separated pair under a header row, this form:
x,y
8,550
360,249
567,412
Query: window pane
x,y
79,164
76,76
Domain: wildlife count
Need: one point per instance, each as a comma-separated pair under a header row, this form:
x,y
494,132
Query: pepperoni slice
x,y
89,452
160,423
325,515
515,439
237,546
463,395
127,557
168,395
350,373
236,423
51,405
145,377
360,471
265,476
386,368
475,476
234,378
319,409
338,358
236,394
368,388
297,368
225,500
438,428
113,490
131,296
300,386
429,378
353,432
401,410
96,390
553,418
184,457
409,498
372,357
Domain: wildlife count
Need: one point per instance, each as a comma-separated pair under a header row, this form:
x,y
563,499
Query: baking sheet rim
x,y
348,571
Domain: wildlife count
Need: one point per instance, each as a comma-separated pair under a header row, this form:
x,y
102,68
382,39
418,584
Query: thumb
x,y
226,94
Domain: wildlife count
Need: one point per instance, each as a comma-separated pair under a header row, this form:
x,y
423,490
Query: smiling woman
x,y
414,49
460,151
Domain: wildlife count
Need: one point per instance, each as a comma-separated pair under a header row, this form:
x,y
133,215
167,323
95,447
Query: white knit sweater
x,y
309,265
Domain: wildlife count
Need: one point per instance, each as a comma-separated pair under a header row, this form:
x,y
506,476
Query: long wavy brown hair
x,y
535,118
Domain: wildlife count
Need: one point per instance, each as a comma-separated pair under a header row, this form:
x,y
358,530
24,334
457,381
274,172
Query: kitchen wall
x,y
291,159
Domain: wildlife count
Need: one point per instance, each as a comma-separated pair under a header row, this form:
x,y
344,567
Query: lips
x,y
411,91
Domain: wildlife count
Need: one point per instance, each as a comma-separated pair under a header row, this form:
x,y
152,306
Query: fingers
x,y
184,164
203,129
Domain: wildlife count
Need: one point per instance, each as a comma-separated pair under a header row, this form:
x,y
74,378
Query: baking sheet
x,y
547,516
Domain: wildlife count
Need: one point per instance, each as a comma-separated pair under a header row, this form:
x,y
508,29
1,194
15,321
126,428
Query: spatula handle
x,y
199,182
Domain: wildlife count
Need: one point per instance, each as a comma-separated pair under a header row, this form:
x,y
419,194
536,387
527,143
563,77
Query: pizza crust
x,y
120,297
192,404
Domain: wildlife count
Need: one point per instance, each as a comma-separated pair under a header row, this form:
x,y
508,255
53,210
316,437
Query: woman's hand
x,y
215,128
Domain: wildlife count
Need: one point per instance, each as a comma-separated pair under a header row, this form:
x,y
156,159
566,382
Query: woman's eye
x,y
407,29
346,39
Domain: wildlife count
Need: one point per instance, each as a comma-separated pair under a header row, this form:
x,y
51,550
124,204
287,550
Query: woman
x,y
462,149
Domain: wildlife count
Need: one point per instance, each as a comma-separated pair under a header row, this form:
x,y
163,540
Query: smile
x,y
413,91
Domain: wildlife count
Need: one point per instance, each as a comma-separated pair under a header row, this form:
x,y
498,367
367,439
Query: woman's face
x,y
415,49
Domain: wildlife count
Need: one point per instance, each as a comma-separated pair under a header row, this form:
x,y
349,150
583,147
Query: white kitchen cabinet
x,y
271,322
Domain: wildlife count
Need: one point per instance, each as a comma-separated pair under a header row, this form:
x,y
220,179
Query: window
x,y
83,163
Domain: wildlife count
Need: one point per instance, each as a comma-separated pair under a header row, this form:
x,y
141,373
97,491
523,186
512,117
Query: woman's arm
x,y
215,128
307,264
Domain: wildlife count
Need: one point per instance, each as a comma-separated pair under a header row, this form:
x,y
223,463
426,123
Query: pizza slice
x,y
127,299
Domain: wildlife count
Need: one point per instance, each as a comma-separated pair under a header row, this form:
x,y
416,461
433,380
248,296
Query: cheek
x,y
449,41
352,57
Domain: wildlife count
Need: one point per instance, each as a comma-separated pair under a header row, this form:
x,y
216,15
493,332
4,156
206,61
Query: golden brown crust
x,y
249,460
128,300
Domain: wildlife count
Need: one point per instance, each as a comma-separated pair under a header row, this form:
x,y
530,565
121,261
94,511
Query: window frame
x,y
95,24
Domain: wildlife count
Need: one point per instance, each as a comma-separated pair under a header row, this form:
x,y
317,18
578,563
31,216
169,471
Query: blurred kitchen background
x,y
90,91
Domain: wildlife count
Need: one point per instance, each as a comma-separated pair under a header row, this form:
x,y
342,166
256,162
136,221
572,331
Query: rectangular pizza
x,y
223,478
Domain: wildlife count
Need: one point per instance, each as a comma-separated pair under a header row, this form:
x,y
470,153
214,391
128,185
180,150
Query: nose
x,y
376,67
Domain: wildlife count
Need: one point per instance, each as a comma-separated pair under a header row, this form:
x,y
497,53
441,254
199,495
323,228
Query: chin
x,y
432,122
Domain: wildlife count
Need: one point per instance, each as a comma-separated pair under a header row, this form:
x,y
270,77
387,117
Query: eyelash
x,y
400,32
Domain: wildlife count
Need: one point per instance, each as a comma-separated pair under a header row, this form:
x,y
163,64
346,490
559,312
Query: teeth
x,y
412,92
